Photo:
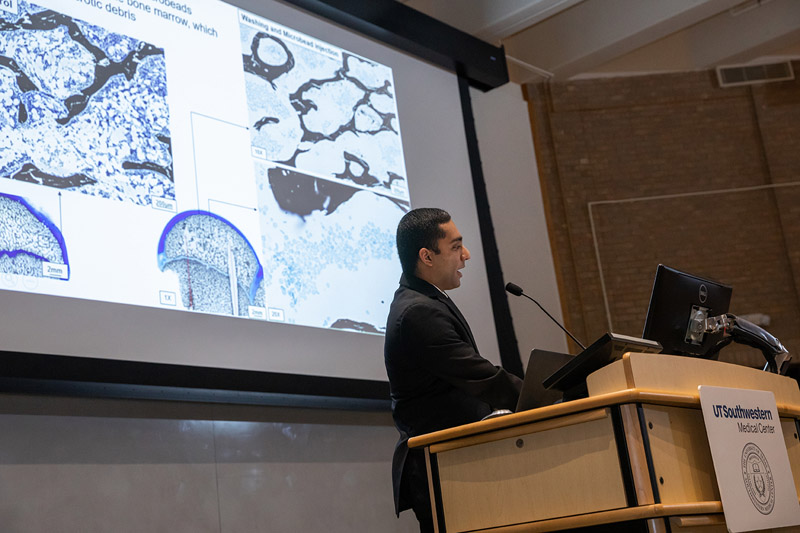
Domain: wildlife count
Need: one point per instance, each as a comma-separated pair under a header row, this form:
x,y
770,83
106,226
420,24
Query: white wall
x,y
517,208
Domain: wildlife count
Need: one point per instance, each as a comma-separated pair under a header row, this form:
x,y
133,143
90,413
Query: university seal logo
x,y
758,478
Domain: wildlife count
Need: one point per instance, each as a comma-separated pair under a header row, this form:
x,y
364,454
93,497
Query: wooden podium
x,y
632,456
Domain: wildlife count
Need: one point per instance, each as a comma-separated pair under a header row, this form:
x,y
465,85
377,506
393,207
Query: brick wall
x,y
671,169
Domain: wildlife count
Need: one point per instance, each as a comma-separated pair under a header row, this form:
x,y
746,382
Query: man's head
x,y
431,248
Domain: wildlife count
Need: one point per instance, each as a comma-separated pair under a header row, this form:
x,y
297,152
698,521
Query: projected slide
x,y
218,268
217,161
83,108
321,110
30,244
325,267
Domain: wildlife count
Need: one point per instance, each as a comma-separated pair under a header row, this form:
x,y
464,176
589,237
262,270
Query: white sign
x,y
750,459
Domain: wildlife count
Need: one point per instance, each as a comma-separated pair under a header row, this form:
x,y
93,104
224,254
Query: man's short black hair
x,y
419,228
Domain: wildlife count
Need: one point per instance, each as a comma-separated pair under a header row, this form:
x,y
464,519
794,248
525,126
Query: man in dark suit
x,y
437,377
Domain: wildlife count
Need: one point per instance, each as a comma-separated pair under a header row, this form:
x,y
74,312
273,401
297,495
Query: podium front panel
x,y
682,464
791,436
533,476
635,451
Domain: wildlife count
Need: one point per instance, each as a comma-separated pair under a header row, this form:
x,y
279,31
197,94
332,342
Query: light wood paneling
x,y
429,470
682,462
682,375
713,523
552,411
651,513
657,525
637,454
790,436
575,406
567,470
518,431
610,378
558,467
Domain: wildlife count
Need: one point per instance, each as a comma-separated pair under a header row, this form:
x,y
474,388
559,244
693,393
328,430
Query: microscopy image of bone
x,y
82,108
216,265
323,111
335,266
333,186
27,239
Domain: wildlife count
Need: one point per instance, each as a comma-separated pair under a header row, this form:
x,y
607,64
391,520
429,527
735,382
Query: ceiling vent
x,y
735,75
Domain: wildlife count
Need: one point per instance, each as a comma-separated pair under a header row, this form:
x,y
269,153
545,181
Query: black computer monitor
x,y
678,298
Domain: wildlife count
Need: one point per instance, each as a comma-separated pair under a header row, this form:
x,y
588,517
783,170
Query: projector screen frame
x,y
480,63
60,375
475,64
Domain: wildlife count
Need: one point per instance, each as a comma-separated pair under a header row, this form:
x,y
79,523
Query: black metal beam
x,y
93,377
402,27
506,337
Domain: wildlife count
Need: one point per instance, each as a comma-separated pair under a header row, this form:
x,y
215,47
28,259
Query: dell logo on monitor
x,y
703,294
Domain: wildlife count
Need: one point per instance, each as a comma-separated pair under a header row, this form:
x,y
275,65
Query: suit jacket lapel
x,y
454,308
426,288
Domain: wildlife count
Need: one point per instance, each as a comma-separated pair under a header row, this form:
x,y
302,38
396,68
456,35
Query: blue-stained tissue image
x,y
343,246
216,265
82,108
29,240
323,111
330,175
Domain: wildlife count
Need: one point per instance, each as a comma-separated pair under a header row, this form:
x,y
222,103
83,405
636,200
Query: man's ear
x,y
425,256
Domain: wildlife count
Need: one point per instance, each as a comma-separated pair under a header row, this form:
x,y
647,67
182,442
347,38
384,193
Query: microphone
x,y
516,290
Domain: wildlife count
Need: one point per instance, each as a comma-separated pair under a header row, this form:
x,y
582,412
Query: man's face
x,y
444,268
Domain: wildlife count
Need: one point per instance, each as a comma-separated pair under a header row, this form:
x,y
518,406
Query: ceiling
x,y
573,39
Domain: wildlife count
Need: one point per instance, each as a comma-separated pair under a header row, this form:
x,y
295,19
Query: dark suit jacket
x,y
437,378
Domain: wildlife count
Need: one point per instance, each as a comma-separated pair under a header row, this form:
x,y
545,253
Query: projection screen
x,y
200,183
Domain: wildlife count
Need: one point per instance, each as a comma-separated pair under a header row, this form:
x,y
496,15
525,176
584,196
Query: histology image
x,y
322,111
330,177
29,241
82,108
329,250
216,265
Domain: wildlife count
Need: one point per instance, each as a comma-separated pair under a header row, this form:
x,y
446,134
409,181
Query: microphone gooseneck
x,y
516,290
